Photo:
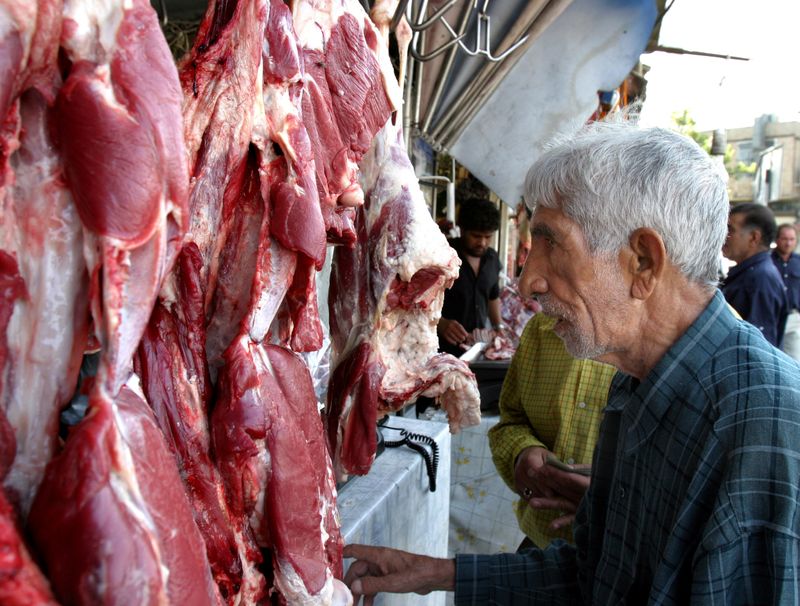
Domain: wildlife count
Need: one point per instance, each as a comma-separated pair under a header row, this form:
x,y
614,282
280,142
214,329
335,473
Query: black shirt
x,y
467,301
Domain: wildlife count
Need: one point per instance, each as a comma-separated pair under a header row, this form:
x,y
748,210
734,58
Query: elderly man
x,y
695,492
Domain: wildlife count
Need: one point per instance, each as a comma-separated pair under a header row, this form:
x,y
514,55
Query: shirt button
x,y
621,492
581,404
571,461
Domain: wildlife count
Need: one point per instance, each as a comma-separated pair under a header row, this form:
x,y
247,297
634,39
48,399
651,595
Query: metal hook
x,y
433,54
418,27
398,14
164,17
484,37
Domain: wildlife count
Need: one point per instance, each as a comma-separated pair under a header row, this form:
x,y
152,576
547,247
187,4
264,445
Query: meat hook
x,y
484,36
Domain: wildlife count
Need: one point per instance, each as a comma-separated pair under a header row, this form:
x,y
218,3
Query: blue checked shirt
x,y
695,495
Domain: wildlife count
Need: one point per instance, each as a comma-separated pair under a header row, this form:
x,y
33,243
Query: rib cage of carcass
x,y
386,298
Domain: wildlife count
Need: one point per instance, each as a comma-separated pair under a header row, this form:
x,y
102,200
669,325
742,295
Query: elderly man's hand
x,y
381,569
568,489
452,331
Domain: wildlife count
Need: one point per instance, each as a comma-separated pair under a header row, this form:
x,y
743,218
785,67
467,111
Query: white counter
x,y
393,507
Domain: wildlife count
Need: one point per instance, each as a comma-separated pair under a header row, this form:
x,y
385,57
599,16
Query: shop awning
x,y
494,118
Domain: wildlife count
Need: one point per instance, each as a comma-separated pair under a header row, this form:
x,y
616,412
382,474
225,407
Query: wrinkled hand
x,y
550,488
452,331
381,569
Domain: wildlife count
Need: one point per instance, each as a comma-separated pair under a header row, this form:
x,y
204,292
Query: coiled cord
x,y
417,442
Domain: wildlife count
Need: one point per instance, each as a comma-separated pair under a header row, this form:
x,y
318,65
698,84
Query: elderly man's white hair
x,y
613,178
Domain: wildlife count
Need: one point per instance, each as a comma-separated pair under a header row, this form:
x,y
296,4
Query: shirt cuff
x,y
472,580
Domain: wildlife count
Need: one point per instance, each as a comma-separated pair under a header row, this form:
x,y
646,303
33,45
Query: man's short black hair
x,y
478,214
757,216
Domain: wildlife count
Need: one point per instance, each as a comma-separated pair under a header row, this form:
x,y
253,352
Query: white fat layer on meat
x,y
41,329
405,341
313,21
168,294
97,23
18,21
252,579
424,245
125,485
294,590
458,395
262,473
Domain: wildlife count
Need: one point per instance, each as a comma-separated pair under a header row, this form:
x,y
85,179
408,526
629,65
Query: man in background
x,y
788,264
550,406
754,287
474,299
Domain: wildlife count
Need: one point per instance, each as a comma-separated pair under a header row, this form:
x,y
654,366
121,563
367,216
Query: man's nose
x,y
532,281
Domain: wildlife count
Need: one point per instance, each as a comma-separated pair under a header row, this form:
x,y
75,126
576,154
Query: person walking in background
x,y
694,495
474,299
788,264
550,406
754,287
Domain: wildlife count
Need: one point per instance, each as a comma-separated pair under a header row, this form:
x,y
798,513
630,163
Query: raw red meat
x,y
384,309
29,36
175,380
44,299
111,519
21,581
270,443
350,91
222,93
123,86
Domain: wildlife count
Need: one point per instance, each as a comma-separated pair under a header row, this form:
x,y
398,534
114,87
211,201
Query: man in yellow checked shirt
x,y
550,404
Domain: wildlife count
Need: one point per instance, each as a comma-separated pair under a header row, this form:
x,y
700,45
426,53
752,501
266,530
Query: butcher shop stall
x,y
222,266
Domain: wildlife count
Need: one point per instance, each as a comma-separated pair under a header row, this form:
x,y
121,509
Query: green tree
x,y
685,124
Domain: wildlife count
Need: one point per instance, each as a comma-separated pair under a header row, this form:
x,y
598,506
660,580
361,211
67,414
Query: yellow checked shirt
x,y
548,399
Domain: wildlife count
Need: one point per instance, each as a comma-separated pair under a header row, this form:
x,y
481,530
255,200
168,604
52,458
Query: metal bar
x,y
493,75
526,21
398,13
444,73
418,73
418,27
682,51
433,54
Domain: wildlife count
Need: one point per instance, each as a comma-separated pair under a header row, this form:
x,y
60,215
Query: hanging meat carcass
x,y
204,300
174,373
21,581
111,519
44,299
386,298
350,91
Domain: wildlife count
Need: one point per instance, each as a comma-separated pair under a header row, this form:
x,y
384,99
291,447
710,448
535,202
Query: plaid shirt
x,y
549,399
695,496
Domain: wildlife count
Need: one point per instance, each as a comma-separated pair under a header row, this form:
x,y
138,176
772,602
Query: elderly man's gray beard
x,y
580,344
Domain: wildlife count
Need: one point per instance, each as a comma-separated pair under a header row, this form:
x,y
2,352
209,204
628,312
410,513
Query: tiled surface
x,y
482,516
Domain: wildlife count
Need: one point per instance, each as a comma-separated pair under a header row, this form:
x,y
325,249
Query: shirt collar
x,y
646,402
747,264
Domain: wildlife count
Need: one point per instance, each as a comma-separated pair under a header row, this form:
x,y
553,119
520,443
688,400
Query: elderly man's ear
x,y
648,260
